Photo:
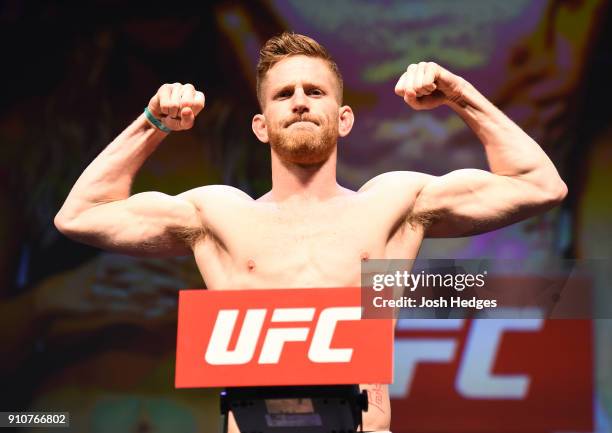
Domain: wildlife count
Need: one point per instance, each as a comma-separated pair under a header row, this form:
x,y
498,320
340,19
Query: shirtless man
x,y
308,231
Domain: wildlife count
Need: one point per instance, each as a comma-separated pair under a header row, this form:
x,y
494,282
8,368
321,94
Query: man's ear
x,y
345,120
258,124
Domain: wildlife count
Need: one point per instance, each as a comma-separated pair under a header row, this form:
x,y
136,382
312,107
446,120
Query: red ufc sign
x,y
493,375
279,337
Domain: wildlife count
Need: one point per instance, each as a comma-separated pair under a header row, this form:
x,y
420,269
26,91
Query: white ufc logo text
x,y
218,352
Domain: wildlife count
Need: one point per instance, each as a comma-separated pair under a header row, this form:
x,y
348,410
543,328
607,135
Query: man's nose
x,y
300,102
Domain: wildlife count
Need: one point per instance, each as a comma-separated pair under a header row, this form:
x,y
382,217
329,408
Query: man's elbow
x,y
76,229
562,191
554,193
62,223
66,225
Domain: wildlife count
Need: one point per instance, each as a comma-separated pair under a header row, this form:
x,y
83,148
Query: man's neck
x,y
309,182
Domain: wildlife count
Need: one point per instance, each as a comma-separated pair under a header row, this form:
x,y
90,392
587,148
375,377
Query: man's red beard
x,y
304,144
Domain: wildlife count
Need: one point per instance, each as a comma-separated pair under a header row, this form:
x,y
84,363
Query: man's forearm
x,y
510,151
109,177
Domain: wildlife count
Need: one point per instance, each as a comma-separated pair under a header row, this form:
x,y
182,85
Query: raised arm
x,y
99,209
522,182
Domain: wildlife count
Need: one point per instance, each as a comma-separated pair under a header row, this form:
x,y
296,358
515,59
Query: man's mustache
x,y
301,118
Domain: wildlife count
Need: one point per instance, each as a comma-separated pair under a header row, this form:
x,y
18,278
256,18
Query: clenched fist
x,y
176,105
428,85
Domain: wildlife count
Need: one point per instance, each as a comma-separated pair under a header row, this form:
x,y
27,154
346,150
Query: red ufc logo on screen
x,y
488,375
279,337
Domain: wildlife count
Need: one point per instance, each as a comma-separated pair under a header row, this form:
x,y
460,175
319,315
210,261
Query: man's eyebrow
x,y
291,86
284,88
309,86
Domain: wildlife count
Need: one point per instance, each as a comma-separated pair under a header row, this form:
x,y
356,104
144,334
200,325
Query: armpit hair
x,y
422,219
190,235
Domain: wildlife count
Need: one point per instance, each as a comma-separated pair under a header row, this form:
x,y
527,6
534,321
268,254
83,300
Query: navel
x,y
251,265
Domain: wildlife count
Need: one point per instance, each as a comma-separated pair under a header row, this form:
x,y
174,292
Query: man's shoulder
x,y
394,181
396,193
220,197
218,192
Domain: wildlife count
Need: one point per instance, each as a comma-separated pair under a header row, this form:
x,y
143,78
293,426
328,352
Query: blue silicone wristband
x,y
155,121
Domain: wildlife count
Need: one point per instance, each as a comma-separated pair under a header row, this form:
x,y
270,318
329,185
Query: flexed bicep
x,y
470,201
149,224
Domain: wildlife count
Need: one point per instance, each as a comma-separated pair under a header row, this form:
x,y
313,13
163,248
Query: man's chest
x,y
315,248
318,241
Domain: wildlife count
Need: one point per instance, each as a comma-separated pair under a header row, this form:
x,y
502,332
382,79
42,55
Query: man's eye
x,y
315,92
284,94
